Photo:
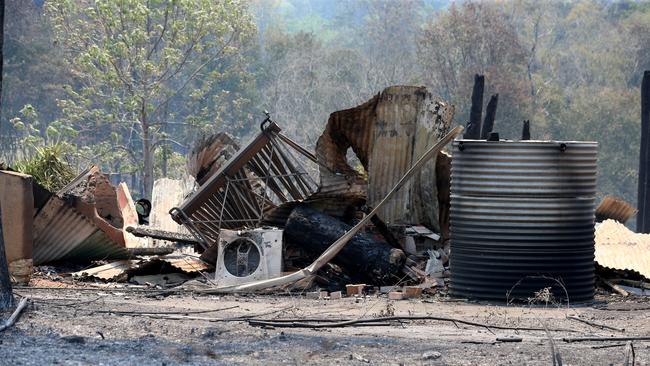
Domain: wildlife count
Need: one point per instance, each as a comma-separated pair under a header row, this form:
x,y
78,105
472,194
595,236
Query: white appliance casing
x,y
269,244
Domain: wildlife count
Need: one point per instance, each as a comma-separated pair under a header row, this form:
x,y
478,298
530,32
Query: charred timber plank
x,y
142,231
525,132
490,115
364,258
474,126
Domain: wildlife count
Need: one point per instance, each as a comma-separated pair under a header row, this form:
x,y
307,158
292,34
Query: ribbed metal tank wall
x,y
522,219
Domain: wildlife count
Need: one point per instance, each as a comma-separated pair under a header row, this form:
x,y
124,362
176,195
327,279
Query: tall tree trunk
x,y
147,151
643,198
6,293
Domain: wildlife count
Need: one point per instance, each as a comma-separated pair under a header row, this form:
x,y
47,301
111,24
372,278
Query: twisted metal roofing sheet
x,y
618,247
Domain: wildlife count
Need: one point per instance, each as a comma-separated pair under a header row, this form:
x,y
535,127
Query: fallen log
x,y
364,258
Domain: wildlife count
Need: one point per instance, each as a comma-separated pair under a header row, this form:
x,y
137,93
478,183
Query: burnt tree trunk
x,y
490,115
6,293
364,258
643,198
525,131
473,130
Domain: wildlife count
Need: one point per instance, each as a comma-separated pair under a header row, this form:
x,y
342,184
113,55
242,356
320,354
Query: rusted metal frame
x,y
246,211
257,166
263,178
248,190
304,152
210,208
297,147
216,207
287,183
268,154
225,221
189,225
259,197
204,219
266,187
284,165
299,168
251,212
225,199
214,183
283,184
287,157
208,215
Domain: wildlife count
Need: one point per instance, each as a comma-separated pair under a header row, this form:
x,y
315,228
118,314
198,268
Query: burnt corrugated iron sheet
x,y
522,216
616,209
618,247
186,263
62,232
387,133
107,271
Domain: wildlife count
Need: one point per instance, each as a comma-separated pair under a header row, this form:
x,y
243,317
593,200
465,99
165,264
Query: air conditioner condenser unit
x,y
248,255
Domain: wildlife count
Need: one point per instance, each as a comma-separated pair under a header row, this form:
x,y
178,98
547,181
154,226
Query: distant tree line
x,y
131,84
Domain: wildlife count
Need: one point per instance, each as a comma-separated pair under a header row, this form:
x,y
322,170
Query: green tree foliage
x,y
48,167
132,58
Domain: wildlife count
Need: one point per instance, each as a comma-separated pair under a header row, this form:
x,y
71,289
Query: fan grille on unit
x,y
241,257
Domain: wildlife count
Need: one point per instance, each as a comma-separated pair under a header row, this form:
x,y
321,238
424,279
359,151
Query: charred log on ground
x,y
365,258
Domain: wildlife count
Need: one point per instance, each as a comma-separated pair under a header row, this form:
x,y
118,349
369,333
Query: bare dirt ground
x,y
97,327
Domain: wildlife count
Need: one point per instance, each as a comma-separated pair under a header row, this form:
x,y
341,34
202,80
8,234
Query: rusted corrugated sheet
x,y
387,133
186,263
84,220
618,247
347,129
209,154
615,209
61,232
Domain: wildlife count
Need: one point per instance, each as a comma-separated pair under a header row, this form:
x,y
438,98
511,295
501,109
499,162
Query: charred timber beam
x,y
490,115
525,132
147,232
474,126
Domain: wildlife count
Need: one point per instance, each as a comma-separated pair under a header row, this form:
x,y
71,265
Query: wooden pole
x,y
643,198
6,293
474,125
490,115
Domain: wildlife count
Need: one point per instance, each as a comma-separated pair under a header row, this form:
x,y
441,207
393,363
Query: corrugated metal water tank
x,y
522,219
